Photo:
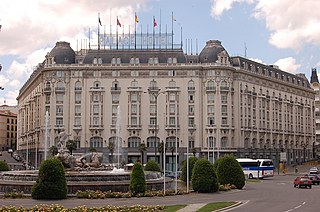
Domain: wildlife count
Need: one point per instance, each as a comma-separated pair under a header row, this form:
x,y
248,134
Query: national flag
x,y
100,22
154,22
136,19
118,22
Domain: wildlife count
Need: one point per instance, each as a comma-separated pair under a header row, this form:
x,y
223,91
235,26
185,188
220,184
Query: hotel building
x,y
209,104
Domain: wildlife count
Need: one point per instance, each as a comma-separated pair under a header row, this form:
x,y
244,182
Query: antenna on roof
x,y
191,45
196,46
245,50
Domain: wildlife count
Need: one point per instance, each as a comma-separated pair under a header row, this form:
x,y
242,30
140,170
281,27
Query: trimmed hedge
x,y
230,172
151,165
51,183
204,179
138,183
192,161
4,166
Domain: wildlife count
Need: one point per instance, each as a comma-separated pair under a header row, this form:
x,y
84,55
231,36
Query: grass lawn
x,y
173,208
215,206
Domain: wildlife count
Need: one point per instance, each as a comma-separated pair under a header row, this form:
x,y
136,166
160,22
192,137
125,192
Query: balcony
x,y
96,127
77,127
60,89
210,88
47,90
172,127
153,127
134,127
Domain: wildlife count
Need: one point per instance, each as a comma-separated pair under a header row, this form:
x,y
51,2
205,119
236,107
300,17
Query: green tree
x,y
229,171
138,183
142,149
92,149
4,166
51,183
204,179
53,150
192,161
71,145
161,149
151,165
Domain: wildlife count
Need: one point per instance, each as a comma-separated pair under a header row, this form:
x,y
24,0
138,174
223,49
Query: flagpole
x,y
147,37
123,36
117,32
99,31
89,39
172,30
110,38
153,32
104,37
141,37
166,36
181,38
135,31
160,32
129,37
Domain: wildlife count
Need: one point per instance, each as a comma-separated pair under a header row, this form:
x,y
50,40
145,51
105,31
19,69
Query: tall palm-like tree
x,y
111,147
142,149
71,145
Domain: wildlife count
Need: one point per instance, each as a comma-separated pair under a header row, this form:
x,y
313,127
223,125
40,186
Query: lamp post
x,y
155,94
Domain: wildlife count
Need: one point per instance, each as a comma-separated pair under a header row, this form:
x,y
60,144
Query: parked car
x,y
303,181
314,170
314,178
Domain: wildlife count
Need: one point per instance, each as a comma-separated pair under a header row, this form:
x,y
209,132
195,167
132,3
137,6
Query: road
x,y
276,194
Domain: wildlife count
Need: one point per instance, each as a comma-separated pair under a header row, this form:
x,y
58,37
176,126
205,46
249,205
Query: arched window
x,y
171,142
77,85
210,84
96,142
60,85
134,84
115,85
96,84
224,84
153,84
191,84
48,85
134,142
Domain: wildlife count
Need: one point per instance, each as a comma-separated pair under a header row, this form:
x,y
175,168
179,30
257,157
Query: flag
x,y
118,22
100,21
174,19
154,22
136,19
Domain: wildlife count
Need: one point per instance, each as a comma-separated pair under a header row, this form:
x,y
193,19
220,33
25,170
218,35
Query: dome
x,y
63,53
210,52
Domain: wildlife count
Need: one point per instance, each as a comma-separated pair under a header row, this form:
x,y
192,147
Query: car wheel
x,y
250,176
294,185
310,187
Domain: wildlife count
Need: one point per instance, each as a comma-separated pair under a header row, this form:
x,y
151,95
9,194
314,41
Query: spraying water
x,y
118,133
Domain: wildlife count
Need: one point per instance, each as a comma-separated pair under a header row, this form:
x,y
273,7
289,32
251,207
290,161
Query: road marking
x,y
230,209
298,206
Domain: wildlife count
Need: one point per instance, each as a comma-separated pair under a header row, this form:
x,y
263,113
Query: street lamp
x,y
155,93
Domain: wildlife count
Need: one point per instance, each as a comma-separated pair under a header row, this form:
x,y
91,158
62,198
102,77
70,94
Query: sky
x,y
279,32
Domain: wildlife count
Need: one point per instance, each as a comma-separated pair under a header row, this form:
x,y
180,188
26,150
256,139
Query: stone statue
x,y
62,138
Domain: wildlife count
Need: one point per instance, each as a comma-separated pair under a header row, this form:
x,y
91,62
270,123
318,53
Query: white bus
x,y
256,168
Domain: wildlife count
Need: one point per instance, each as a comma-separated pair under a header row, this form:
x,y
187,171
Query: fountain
x,y
82,175
118,134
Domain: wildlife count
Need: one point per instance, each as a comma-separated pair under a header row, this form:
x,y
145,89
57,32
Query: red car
x,y
303,181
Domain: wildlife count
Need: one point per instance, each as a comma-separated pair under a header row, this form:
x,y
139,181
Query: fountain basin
x,y
22,181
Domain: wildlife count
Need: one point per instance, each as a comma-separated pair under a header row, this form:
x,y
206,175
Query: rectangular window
x,y
47,99
77,121
172,121
59,121
172,73
210,121
114,121
134,121
191,122
210,97
77,110
114,110
191,109
153,121
134,109
95,121
152,109
95,97
95,109
224,121
172,97
115,98
59,110
59,98
134,97
191,98
210,109
172,108
224,110
224,99
78,98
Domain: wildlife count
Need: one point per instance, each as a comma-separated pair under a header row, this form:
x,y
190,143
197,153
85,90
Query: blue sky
x,y
281,32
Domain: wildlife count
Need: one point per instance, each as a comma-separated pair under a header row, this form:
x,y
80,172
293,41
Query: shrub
x,y
138,183
192,161
51,183
152,166
204,178
4,166
216,164
230,172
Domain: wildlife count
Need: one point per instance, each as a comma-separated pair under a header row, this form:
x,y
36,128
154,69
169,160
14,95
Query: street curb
x,y
229,207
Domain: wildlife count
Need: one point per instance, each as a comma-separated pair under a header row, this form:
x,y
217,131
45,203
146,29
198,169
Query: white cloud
x,y
288,64
257,60
292,23
219,6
